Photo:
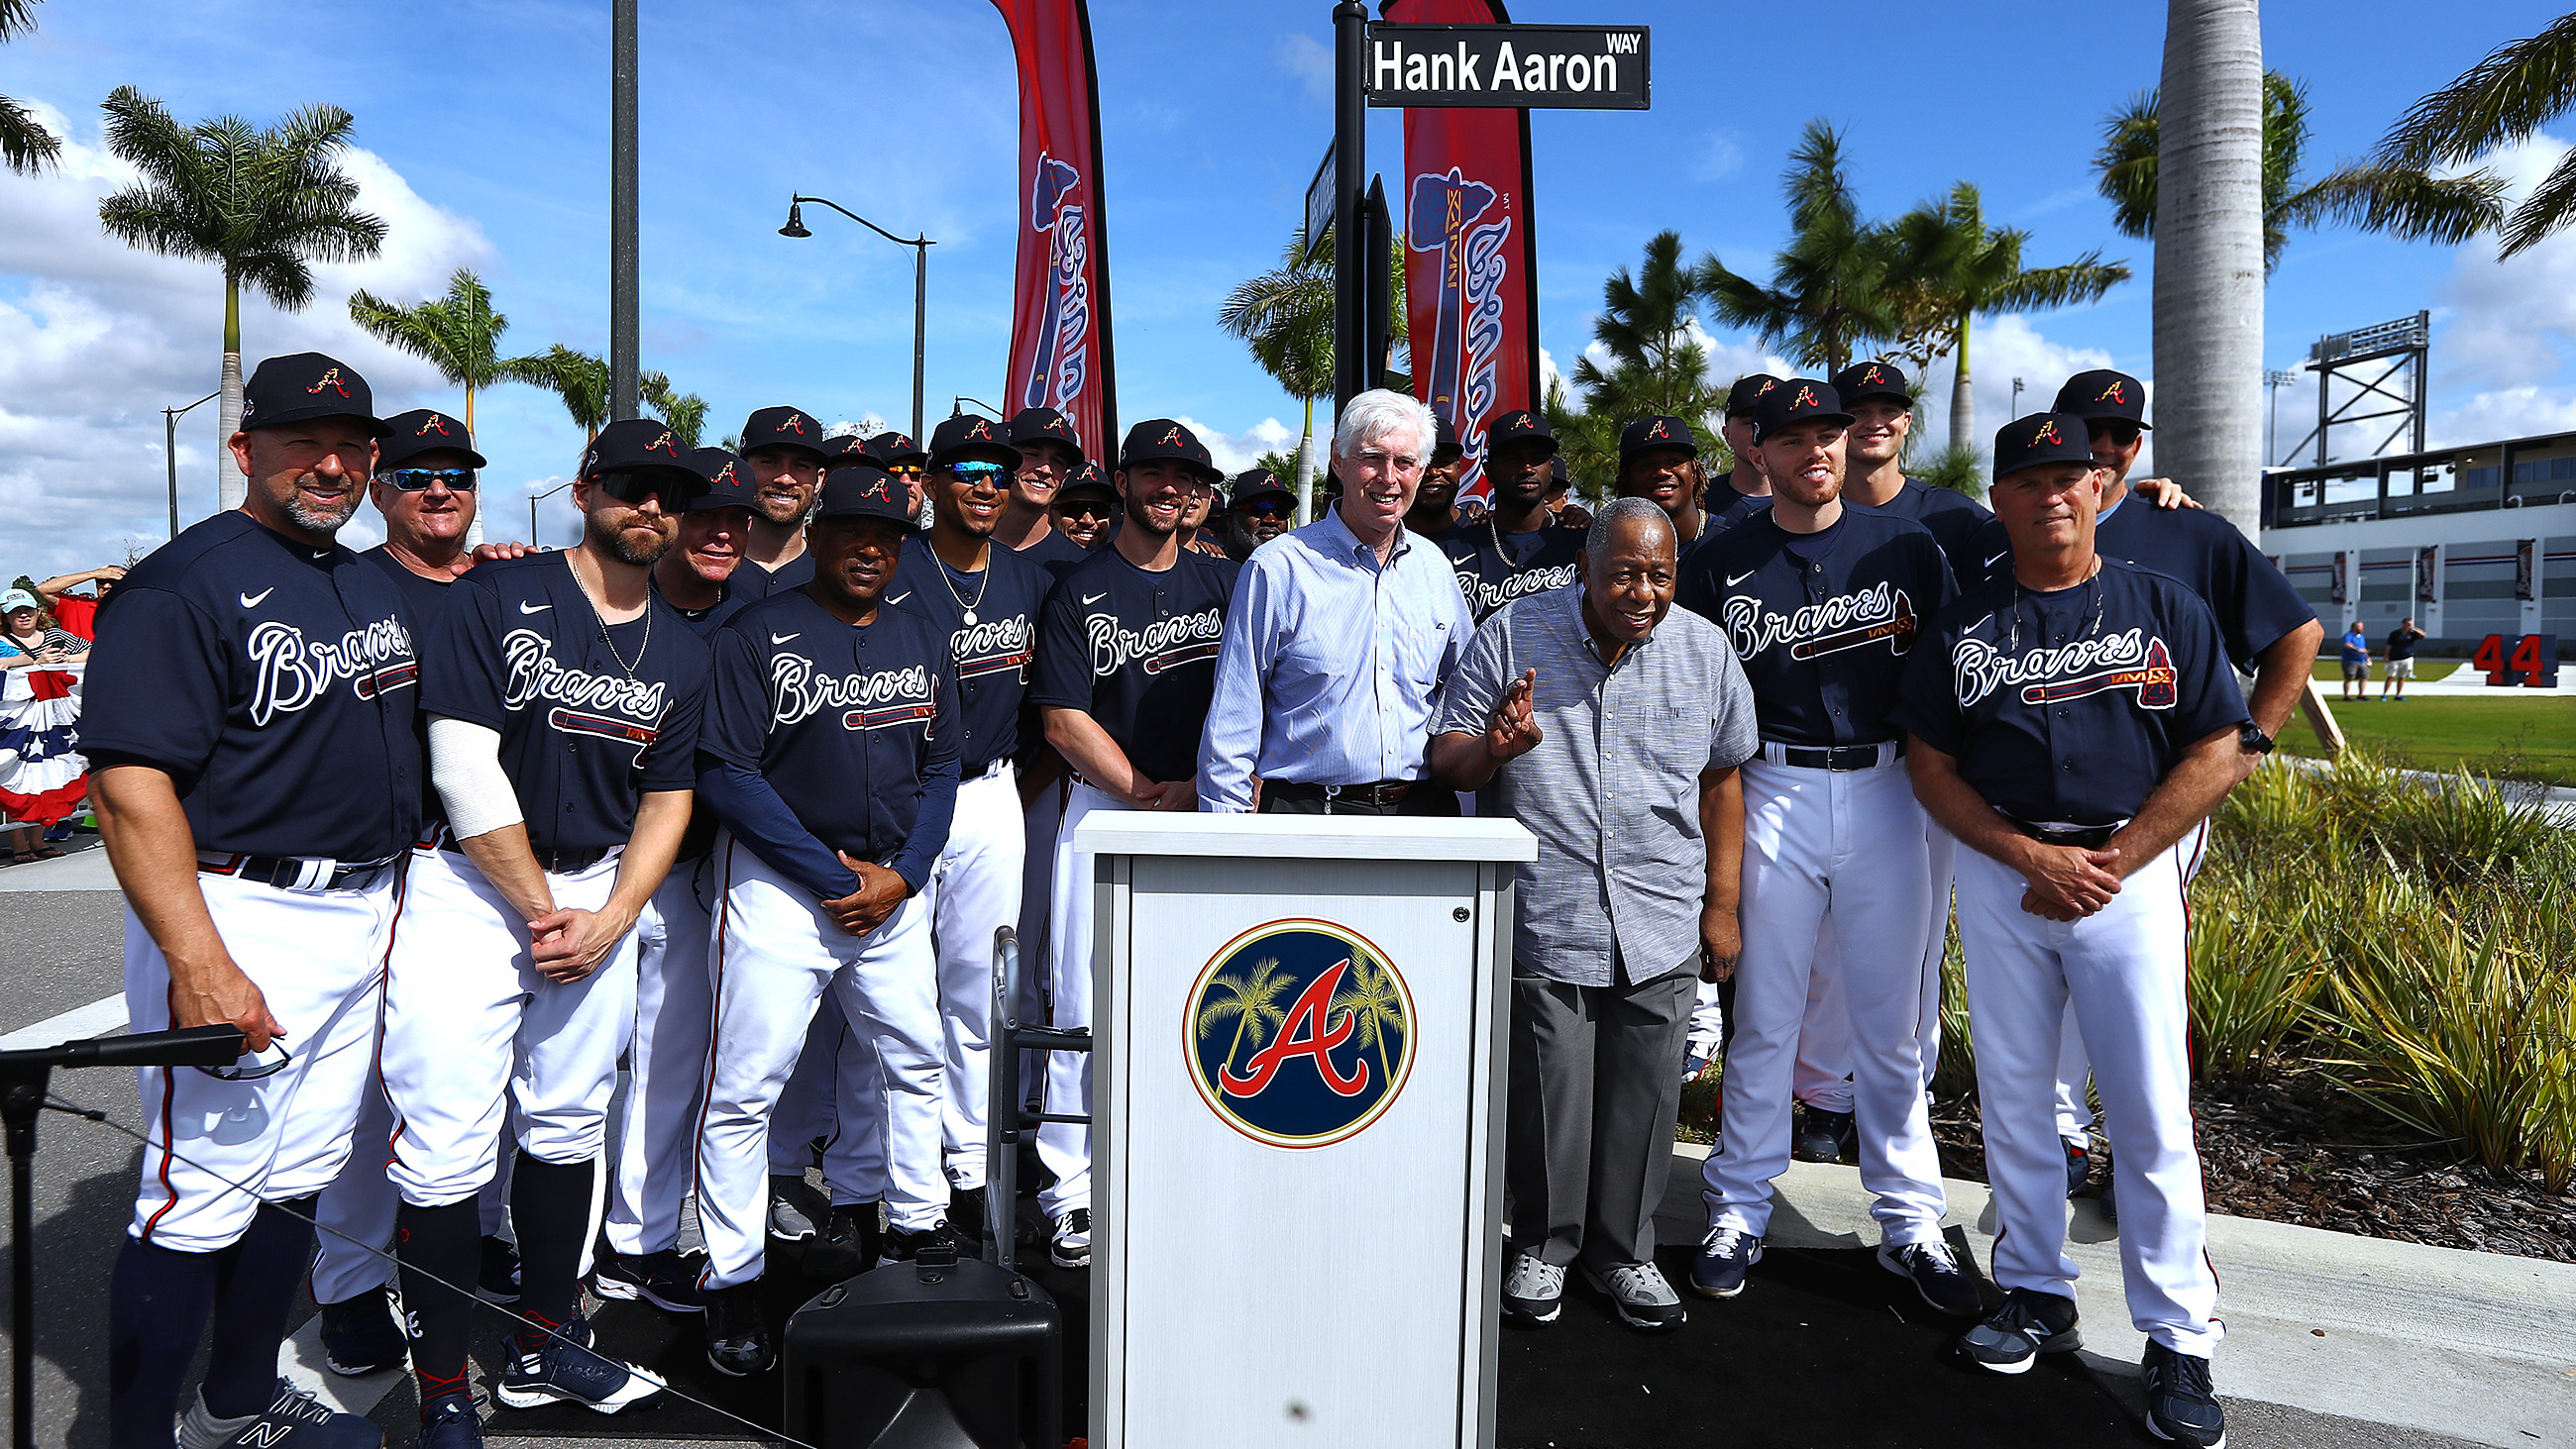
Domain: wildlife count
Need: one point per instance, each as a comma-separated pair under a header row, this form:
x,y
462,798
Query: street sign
x,y
1321,196
1530,67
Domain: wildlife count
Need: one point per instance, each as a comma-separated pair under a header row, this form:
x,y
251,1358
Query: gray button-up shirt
x,y
1612,791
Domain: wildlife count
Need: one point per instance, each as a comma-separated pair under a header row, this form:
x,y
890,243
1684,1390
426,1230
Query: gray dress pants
x,y
1596,1083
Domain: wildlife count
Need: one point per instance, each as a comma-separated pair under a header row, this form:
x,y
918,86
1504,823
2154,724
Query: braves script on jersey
x,y
993,654
1823,621
2068,707
587,722
1137,652
1500,567
268,678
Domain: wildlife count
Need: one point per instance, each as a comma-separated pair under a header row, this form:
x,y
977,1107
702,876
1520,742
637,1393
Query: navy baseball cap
x,y
1444,440
863,490
1030,424
2039,439
641,445
2102,395
1088,476
893,447
782,427
1872,379
424,430
301,386
1747,391
726,485
847,449
1797,400
1518,425
958,436
1258,483
1164,438
1649,433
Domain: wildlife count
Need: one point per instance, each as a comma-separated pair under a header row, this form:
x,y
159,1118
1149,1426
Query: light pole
x,y
2016,402
2274,379
957,408
170,449
920,245
532,507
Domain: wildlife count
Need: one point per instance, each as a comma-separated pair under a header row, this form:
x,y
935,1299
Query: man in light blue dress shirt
x,y
1340,642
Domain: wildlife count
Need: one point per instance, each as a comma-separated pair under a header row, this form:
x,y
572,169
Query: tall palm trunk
x,y
2209,256
230,486
1963,402
474,530
1306,468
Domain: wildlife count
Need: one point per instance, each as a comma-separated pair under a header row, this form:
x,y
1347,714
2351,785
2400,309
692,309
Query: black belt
x,y
287,872
1840,757
2090,837
552,862
1376,792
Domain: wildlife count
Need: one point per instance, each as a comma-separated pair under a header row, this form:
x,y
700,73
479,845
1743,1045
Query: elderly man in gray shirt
x,y
1610,726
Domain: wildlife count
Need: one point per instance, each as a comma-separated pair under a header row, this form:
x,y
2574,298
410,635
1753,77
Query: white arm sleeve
x,y
465,766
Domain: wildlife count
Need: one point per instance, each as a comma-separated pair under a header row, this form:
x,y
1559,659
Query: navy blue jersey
x,y
1724,508
2254,601
2068,707
421,596
1057,554
755,581
1500,567
1956,521
730,601
1823,621
273,682
843,721
1137,652
991,652
589,719
1456,542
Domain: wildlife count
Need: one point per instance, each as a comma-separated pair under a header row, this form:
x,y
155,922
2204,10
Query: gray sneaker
x,y
1638,1290
788,1220
1534,1291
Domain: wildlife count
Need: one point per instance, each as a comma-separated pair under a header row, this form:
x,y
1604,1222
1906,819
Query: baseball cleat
x,y
296,1420
497,1280
787,1218
1071,1247
738,1341
562,1367
1641,1295
902,1245
450,1422
1935,1273
2180,1404
1823,1136
664,1279
359,1336
1534,1289
2028,1324
1726,1255
848,1245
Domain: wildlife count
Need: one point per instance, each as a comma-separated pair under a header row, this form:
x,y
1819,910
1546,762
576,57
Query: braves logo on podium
x,y
1299,1033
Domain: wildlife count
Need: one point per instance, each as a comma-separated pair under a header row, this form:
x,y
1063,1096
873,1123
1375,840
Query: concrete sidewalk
x,y
2479,1346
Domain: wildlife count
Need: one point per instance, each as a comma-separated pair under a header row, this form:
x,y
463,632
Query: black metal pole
x,y
623,311
920,321
170,450
1377,285
1351,267
24,1098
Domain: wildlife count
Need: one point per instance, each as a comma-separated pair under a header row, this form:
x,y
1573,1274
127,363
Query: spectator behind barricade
x,y
73,613
2402,641
29,641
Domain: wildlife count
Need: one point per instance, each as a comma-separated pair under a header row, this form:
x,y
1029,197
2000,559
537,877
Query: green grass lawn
x,y
2329,671
2515,738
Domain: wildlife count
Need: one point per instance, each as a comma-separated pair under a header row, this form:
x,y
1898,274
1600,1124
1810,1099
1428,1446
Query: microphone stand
x,y
24,1077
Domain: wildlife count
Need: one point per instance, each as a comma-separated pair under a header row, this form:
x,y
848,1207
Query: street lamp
x,y
2274,379
920,245
532,507
2016,402
170,449
957,408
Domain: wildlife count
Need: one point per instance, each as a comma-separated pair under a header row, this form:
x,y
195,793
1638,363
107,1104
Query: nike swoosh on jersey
x,y
1092,599
527,608
897,599
251,601
1735,579
783,638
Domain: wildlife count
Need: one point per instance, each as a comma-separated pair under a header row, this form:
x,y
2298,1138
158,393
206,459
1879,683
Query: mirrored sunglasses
x,y
418,480
976,472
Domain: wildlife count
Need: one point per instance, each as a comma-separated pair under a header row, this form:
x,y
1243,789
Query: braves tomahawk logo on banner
x,y
1060,349
1059,362
1299,1033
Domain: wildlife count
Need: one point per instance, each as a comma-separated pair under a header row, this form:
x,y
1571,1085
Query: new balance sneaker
x,y
293,1420
1533,1290
359,1336
1641,1295
562,1367
497,1279
2180,1404
1725,1256
1935,1273
1823,1136
788,1220
902,1245
2028,1324
664,1279
2079,1165
451,1422
847,1246
738,1341
1071,1247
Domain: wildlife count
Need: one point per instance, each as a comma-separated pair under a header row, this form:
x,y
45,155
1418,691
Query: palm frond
x,y
2401,201
2517,89
17,17
2083,280
2551,205
2126,165
26,146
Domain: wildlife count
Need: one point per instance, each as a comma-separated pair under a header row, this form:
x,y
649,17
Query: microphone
x,y
195,1046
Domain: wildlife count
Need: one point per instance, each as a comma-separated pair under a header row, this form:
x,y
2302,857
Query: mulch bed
x,y
2300,1151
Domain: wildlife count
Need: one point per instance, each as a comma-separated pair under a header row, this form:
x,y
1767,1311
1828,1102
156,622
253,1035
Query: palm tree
x,y
1285,315
2209,256
1828,294
1251,1003
685,413
1657,363
1376,1009
26,147
459,334
1589,444
580,379
262,204
2394,198
1955,266
2501,100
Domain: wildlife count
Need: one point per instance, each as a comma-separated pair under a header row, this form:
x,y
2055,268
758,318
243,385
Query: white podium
x,y
1298,1098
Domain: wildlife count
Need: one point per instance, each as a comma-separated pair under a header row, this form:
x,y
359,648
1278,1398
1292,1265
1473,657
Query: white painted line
x,y
79,1024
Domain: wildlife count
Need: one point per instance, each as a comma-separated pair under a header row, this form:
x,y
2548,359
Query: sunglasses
x,y
634,488
418,480
993,473
1088,510
1269,510
252,1068
911,470
2121,434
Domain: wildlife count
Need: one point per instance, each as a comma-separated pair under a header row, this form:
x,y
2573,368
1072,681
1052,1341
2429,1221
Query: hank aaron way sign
x,y
1560,67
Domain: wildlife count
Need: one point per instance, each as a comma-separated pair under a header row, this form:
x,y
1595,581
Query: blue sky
x,y
484,127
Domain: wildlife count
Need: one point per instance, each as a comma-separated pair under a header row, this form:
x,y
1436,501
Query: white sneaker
x,y
1072,1245
1534,1290
1638,1290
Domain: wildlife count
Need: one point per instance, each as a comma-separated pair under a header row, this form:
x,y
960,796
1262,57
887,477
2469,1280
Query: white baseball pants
x,y
1065,1148
356,1212
977,893
2121,971
666,1064
2074,1068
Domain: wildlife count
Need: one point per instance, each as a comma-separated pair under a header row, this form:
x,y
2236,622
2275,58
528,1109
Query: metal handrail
x,y
1005,1121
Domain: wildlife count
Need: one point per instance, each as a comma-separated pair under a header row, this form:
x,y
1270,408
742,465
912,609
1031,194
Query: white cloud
x,y
1310,62
1234,452
1999,350
1720,157
2513,412
96,337
2506,323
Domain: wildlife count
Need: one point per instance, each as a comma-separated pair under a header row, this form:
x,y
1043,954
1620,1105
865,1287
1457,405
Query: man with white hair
x,y
1340,643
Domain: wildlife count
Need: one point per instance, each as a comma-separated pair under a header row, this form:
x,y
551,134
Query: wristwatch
x,y
2251,736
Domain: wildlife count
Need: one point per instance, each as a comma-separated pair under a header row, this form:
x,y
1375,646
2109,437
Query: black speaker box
x,y
959,1355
